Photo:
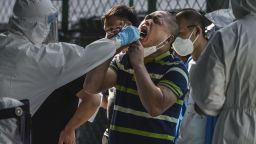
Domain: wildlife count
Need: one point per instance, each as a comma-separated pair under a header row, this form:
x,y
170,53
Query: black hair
x,y
123,12
194,18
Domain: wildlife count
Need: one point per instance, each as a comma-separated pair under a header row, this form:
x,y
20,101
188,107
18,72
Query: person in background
x,y
192,40
223,79
117,17
220,18
114,19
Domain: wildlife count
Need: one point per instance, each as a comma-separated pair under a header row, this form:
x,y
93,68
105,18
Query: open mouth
x,y
143,33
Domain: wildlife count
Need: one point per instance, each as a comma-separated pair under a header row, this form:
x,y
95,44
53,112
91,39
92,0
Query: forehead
x,y
158,13
112,20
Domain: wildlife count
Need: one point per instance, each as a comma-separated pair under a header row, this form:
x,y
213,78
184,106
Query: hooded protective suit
x,y
223,80
32,70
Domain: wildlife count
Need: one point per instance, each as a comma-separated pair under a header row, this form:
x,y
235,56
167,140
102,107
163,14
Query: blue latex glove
x,y
127,35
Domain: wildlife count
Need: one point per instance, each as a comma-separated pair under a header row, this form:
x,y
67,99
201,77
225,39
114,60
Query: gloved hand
x,y
127,35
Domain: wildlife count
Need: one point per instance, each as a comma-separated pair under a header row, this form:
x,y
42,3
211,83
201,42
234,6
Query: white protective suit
x,y
193,126
192,129
9,127
32,70
223,80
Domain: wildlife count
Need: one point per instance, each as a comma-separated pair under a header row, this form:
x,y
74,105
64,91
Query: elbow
x,y
157,109
93,99
93,89
154,111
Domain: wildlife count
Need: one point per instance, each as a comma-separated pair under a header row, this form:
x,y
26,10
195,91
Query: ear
x,y
171,39
127,22
198,30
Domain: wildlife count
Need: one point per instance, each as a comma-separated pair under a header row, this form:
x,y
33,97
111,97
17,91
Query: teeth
x,y
143,31
143,34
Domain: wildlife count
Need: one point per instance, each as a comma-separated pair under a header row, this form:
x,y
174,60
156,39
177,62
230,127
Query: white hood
x,y
30,18
243,7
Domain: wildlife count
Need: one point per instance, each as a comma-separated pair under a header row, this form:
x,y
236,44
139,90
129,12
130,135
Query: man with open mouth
x,y
150,85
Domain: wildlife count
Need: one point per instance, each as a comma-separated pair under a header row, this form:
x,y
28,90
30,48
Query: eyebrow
x,y
151,16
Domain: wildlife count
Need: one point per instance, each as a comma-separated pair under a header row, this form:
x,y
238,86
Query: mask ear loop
x,y
191,34
163,43
195,38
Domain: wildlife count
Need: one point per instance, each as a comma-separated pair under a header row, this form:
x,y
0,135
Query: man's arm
x,y
87,107
96,79
90,101
155,99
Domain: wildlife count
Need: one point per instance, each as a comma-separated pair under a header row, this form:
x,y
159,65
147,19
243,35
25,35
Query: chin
x,y
145,44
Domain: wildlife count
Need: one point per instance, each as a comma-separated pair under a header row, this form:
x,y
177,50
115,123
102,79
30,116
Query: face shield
x,y
52,36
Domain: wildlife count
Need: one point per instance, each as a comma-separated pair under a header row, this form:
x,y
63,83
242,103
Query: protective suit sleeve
x,y
208,77
75,61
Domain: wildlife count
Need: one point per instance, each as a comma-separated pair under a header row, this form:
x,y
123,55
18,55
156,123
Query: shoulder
x,y
121,62
176,62
122,59
174,67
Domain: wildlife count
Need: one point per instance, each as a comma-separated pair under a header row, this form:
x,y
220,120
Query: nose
x,y
145,23
114,30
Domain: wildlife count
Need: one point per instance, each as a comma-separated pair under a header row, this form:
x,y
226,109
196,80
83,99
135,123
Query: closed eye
x,y
156,19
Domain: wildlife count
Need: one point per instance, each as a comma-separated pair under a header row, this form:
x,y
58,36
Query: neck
x,y
158,52
198,50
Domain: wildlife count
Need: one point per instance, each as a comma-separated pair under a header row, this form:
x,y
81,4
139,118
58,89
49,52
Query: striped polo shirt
x,y
131,123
